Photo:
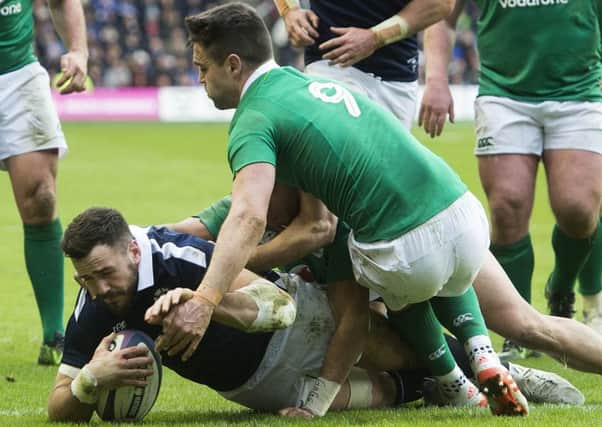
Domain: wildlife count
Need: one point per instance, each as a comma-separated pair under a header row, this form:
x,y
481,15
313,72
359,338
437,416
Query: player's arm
x,y
236,241
349,304
313,228
253,304
301,24
193,226
68,18
75,390
353,44
437,101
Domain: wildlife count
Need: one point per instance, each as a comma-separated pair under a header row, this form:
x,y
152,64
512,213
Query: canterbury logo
x,y
437,353
531,3
485,142
463,318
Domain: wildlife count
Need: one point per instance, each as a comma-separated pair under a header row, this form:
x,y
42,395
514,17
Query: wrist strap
x,y
321,395
84,386
211,295
390,30
284,6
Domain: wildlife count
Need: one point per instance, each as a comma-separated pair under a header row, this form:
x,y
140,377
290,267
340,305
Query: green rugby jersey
x,y
331,264
344,149
16,35
534,50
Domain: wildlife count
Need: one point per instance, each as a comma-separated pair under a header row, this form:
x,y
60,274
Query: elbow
x,y
324,231
276,309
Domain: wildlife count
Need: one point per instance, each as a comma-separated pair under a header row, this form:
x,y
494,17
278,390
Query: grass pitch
x,y
156,173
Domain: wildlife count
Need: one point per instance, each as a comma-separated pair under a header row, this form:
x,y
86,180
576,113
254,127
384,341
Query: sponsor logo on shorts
x,y
485,142
437,353
463,318
120,326
10,9
531,3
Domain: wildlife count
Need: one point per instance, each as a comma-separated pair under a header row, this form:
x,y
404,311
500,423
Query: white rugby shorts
x,y
398,97
294,355
506,126
28,119
438,258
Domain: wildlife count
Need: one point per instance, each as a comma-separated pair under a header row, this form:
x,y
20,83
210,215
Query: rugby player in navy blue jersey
x,y
370,46
124,269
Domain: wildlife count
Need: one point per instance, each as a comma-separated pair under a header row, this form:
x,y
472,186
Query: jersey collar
x,y
145,268
261,70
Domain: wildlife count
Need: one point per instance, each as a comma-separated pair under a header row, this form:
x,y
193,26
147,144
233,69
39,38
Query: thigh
x,y
29,121
575,187
504,310
509,184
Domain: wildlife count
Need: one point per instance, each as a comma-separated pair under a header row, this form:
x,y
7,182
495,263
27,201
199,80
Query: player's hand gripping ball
x,y
131,403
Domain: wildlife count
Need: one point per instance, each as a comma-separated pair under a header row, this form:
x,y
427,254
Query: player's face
x,y
110,274
219,80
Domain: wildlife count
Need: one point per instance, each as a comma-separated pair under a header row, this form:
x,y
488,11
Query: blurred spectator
x,y
144,42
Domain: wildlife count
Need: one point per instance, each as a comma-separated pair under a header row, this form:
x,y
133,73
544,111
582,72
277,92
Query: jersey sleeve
x,y
87,326
251,141
214,216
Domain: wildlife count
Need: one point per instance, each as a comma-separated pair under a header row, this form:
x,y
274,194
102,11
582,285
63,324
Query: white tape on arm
x,y
321,395
275,308
284,6
390,30
85,386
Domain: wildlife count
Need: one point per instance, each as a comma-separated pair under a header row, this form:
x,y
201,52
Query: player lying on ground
x,y
505,312
124,270
328,266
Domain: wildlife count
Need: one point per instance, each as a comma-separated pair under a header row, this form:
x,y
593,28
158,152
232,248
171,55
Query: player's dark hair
x,y
231,28
95,226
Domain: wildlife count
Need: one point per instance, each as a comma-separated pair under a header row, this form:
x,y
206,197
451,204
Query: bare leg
x,y
507,314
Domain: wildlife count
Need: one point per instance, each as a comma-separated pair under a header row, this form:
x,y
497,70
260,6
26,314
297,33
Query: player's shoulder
x,y
172,245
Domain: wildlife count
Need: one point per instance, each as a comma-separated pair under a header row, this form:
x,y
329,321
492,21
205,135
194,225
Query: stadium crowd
x,y
143,42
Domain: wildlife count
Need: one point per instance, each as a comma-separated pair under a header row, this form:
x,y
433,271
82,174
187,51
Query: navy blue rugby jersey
x,y
395,62
224,359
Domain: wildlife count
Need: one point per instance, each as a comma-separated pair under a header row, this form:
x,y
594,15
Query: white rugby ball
x,y
131,403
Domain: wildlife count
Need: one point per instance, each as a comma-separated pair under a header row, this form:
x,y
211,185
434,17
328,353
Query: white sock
x,y
592,303
480,353
455,384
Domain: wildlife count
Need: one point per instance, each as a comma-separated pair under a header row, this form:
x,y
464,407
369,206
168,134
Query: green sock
x,y
570,255
44,261
421,329
518,262
590,277
460,315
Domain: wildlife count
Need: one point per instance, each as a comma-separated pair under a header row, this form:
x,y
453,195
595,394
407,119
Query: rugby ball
x,y
131,403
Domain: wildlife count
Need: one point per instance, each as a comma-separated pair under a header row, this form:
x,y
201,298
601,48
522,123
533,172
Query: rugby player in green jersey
x,y
417,231
539,101
31,142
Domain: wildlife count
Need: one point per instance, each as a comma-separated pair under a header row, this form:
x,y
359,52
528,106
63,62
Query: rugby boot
x,y
434,395
502,393
51,353
561,304
512,351
545,387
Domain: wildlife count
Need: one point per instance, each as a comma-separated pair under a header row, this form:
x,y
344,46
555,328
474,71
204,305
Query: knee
x,y
39,204
577,218
509,211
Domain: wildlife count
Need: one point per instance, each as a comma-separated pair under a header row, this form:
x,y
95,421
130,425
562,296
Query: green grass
x,y
157,173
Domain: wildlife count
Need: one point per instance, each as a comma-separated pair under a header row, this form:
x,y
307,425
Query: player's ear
x,y
234,64
134,251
